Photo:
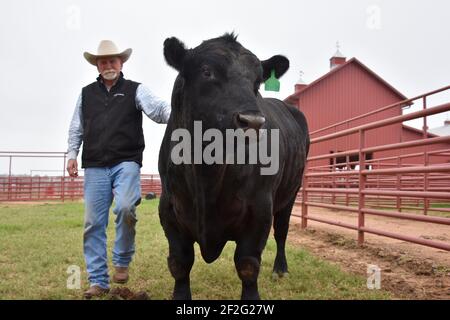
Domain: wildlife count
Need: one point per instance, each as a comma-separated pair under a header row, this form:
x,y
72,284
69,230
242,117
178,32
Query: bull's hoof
x,y
181,296
252,296
279,275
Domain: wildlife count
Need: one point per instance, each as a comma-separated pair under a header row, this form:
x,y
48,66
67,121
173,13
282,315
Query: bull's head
x,y
218,82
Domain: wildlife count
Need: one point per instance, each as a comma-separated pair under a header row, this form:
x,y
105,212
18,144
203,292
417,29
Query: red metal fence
x,y
34,187
393,187
383,186
37,188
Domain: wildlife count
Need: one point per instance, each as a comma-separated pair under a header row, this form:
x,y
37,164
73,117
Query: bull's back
x,y
287,118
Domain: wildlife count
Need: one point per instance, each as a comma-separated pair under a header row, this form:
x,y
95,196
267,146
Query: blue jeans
x,y
101,185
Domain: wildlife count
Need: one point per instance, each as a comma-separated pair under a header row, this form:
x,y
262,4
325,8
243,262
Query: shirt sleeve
x,y
75,131
155,108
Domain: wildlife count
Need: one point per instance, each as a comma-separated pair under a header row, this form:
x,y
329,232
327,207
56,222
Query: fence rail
x,y
385,187
363,187
34,187
38,188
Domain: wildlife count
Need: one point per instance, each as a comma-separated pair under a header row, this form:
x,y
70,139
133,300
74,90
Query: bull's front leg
x,y
247,257
180,261
181,253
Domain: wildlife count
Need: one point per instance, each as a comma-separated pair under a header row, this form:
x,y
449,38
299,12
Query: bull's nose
x,y
250,120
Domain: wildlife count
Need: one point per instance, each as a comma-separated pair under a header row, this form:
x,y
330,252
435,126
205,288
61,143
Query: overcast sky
x,y
43,70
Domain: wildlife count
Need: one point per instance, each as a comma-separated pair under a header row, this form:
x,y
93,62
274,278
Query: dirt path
x,y
408,270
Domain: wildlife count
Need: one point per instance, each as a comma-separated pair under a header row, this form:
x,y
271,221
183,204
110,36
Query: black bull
x,y
211,204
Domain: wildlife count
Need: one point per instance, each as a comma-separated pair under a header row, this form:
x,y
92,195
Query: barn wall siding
x,y
350,92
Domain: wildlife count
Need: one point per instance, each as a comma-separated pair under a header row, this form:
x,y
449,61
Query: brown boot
x,y
121,275
95,291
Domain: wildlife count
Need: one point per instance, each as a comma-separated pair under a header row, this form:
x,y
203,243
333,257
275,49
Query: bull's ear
x,y
278,63
174,52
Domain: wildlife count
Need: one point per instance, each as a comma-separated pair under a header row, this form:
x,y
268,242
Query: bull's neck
x,y
208,180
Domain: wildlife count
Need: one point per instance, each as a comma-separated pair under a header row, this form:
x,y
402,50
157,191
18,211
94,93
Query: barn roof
x,y
442,131
294,97
418,131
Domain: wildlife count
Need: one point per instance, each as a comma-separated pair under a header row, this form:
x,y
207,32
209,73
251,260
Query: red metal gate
x,y
382,186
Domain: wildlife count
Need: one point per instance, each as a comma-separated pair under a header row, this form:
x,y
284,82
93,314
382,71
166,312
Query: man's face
x,y
109,67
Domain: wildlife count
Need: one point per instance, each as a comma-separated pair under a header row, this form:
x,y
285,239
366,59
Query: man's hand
x,y
72,168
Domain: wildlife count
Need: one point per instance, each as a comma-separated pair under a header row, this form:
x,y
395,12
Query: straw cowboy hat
x,y
107,48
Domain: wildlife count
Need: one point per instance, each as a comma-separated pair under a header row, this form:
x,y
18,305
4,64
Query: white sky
x,y
43,70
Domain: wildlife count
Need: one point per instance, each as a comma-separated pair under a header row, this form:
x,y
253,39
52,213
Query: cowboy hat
x,y
107,48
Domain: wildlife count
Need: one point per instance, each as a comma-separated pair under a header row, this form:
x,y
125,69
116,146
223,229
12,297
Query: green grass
x,y
39,242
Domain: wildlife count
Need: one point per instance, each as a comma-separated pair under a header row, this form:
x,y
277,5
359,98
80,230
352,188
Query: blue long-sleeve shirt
x,y
155,108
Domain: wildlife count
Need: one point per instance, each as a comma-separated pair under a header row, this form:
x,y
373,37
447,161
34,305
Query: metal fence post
x,y
398,185
39,188
63,178
304,199
31,187
426,182
9,179
347,185
362,186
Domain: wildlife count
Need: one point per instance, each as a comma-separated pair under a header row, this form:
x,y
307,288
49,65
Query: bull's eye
x,y
206,73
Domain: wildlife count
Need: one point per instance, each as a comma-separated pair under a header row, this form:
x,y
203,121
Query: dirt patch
x,y
408,271
430,231
124,293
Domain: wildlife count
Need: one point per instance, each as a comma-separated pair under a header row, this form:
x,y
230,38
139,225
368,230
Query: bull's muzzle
x,y
247,120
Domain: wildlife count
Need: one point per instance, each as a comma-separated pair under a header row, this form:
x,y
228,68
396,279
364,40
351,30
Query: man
x,y
108,120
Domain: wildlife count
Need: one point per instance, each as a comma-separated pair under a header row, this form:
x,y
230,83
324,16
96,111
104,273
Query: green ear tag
x,y
272,84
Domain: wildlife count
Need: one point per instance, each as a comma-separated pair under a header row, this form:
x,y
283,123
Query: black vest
x,y
112,124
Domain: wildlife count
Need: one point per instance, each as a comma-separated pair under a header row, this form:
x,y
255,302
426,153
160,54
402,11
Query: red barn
x,y
348,90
